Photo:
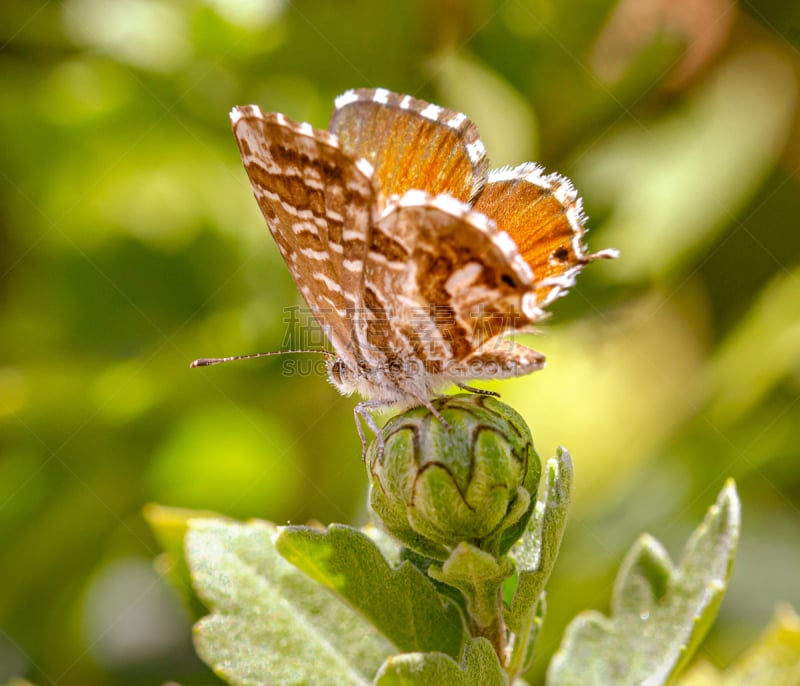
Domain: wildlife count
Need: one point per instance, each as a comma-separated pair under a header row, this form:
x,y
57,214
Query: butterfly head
x,y
362,380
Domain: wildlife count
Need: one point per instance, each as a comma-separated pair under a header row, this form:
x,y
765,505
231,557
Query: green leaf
x,y
169,526
659,613
423,564
536,552
270,624
479,666
401,602
774,660
391,549
535,555
524,646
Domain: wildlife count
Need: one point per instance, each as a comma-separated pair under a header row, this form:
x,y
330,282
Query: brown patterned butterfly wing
x,y
318,203
544,216
454,283
411,144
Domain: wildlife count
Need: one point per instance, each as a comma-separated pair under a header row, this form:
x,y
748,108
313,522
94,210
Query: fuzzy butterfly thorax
x,y
416,260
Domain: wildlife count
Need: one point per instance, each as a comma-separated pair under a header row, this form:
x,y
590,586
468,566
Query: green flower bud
x,y
475,481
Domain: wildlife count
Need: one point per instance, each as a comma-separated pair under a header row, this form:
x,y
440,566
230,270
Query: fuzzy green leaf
x,y
525,639
659,613
478,667
270,624
535,555
401,602
536,552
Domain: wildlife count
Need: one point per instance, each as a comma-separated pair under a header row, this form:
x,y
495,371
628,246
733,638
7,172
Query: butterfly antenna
x,y
210,361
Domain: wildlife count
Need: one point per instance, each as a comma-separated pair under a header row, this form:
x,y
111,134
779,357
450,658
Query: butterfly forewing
x,y
411,143
544,216
318,203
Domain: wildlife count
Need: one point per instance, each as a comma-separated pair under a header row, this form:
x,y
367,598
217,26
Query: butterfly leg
x,y
360,412
428,404
477,391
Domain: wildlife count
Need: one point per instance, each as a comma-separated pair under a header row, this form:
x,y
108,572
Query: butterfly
x,y
415,259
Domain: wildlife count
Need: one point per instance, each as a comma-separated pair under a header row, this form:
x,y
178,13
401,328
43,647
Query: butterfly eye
x,y
509,280
335,370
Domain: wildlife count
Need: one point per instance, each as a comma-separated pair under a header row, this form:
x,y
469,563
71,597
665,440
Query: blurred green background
x,y
130,244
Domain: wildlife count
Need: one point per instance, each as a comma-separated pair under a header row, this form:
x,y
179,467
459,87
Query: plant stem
x,y
479,576
486,620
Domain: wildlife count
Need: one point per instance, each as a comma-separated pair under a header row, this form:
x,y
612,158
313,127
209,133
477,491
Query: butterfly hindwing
x,y
452,281
501,358
544,216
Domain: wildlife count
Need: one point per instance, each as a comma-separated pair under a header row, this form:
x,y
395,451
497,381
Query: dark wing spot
x,y
561,254
509,280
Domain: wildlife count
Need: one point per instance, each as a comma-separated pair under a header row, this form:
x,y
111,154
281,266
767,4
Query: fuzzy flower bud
x,y
434,487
